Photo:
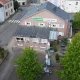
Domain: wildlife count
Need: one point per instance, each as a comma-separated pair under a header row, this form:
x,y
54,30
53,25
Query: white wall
x,y
2,18
71,7
21,1
67,5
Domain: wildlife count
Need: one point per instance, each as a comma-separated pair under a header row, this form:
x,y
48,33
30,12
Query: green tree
x,y
76,21
16,5
1,52
28,66
71,61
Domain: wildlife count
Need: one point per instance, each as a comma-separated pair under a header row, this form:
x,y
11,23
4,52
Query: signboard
x,y
45,19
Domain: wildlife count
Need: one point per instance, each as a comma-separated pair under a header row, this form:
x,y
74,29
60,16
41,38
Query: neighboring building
x,y
7,9
1,13
22,2
47,15
34,37
70,6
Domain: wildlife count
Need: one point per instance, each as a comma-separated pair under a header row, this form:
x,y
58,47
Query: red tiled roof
x,y
4,1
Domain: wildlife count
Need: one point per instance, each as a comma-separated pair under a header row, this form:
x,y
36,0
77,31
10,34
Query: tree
x,y
16,5
1,52
28,66
71,61
76,21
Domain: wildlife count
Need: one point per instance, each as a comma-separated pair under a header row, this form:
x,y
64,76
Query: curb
x,y
4,59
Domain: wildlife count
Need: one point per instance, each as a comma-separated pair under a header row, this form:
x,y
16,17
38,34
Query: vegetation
x,y
1,52
16,5
57,57
76,21
64,41
71,61
55,47
28,66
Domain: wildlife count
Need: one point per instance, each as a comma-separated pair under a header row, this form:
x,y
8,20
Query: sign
x,y
45,19
38,19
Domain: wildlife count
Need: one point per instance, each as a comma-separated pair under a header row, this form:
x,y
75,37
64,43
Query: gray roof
x,y
47,6
34,32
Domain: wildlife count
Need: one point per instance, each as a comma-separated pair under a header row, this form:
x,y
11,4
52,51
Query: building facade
x,y
70,6
22,2
52,17
8,8
35,37
2,18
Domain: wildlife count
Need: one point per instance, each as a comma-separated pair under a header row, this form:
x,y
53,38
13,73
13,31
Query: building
x,y
70,6
22,2
47,15
34,37
1,13
7,9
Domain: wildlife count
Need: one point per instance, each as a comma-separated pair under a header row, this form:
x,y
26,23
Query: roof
x,y
4,1
34,32
46,6
1,5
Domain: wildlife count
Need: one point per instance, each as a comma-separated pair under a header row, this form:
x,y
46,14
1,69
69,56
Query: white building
x,y
22,2
1,13
7,10
70,6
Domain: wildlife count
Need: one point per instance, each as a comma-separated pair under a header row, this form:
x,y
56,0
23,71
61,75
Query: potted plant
x,y
57,57
55,47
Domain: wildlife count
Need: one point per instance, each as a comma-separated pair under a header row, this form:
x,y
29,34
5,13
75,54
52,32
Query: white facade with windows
x,y
70,6
8,8
22,2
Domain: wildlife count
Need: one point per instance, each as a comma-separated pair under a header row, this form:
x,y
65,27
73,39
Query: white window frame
x,y
19,39
61,25
43,24
35,40
44,41
27,23
55,25
61,33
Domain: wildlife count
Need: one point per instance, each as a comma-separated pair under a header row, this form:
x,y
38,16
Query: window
x,y
8,5
35,40
27,39
11,10
76,3
19,39
23,3
44,40
61,33
11,4
6,13
61,26
28,23
54,25
41,24
5,7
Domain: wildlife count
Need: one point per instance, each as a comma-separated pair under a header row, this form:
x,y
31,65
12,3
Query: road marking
x,y
14,21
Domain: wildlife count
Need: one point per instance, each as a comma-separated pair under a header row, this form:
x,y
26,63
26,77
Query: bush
x,y
55,47
57,57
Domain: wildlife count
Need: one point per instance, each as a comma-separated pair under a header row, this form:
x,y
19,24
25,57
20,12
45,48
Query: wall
x,y
58,21
2,14
28,42
8,9
71,7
